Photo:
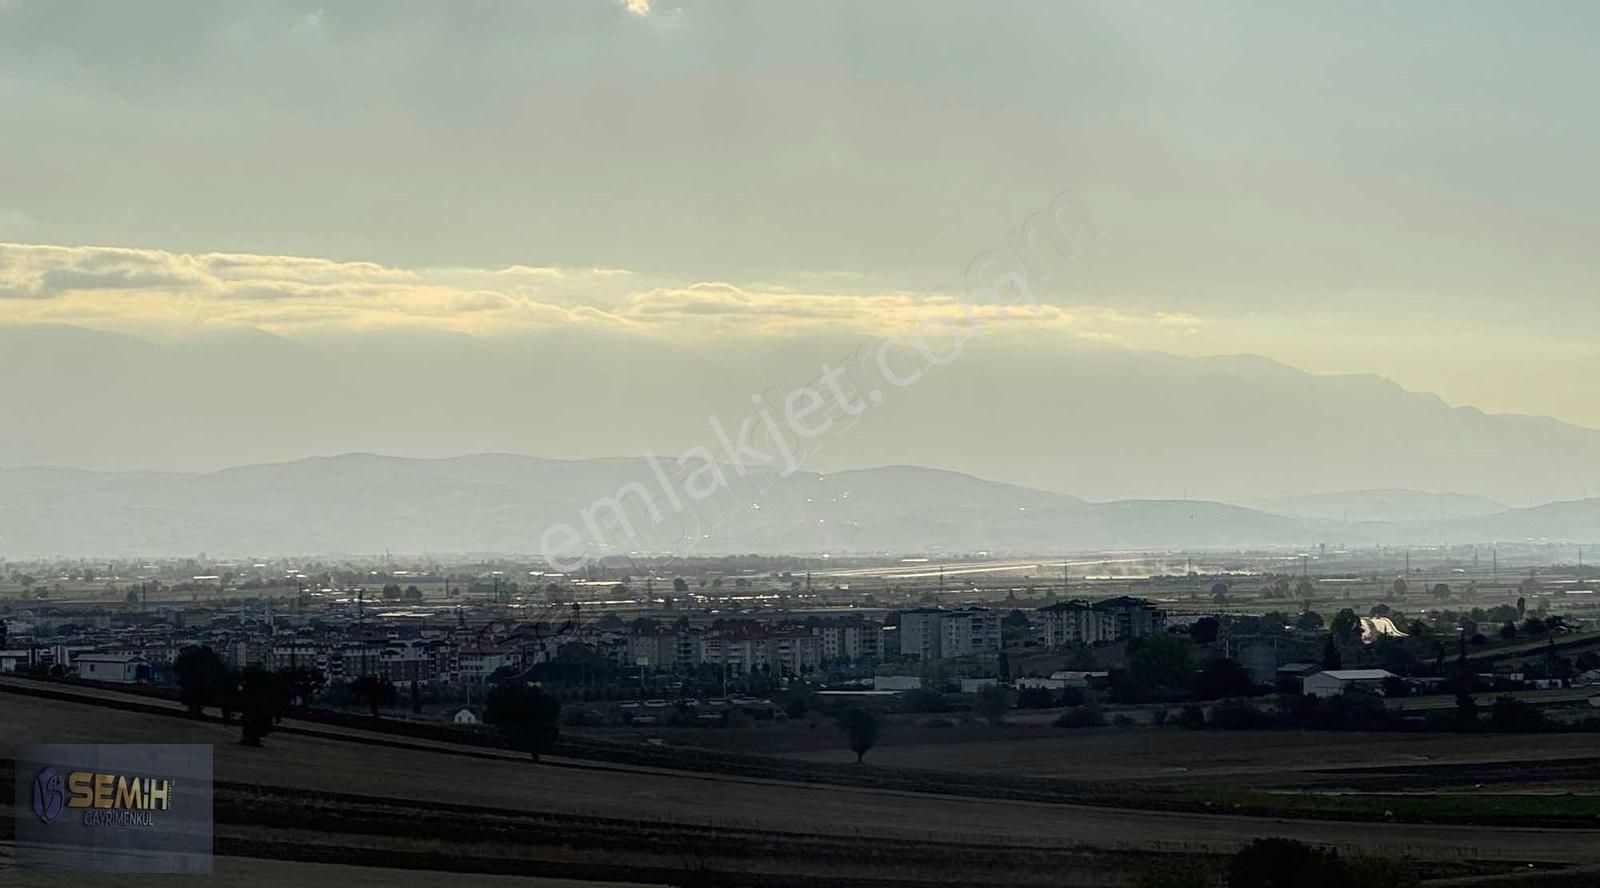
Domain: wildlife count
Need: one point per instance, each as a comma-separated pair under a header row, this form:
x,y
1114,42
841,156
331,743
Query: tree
x,y
1331,658
1346,626
199,673
1508,631
391,592
1219,593
1441,591
1204,630
228,695
413,594
861,728
1395,686
1380,610
374,690
1161,661
1308,621
1466,711
680,586
1222,677
303,684
262,696
993,703
1305,589
1399,588
525,715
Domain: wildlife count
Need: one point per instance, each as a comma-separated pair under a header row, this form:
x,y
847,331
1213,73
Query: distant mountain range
x,y
1381,505
366,504
1077,418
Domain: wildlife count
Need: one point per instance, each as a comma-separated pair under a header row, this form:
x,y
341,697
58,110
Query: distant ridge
x,y
366,503
1381,505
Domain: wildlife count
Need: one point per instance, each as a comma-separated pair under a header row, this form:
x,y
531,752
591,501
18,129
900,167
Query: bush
x,y
1349,712
1036,698
1510,715
1175,874
1159,717
922,700
1085,716
1192,716
1284,863
1122,721
1237,714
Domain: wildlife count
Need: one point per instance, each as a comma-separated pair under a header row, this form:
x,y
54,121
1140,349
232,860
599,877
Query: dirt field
x,y
242,872
1178,756
340,766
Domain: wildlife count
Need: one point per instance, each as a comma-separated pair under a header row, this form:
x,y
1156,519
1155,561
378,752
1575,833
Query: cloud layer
x,y
132,289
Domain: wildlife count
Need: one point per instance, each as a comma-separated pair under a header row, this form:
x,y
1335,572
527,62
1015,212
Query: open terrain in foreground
x,y
343,799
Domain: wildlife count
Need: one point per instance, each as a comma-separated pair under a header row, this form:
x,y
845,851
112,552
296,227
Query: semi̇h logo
x,y
47,795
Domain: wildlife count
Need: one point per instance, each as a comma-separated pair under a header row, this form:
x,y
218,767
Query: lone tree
x,y
1346,626
1331,658
262,698
993,703
525,715
861,727
201,676
376,691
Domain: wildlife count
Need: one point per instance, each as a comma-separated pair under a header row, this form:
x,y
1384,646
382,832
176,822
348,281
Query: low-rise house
x,y
119,668
1333,682
1293,675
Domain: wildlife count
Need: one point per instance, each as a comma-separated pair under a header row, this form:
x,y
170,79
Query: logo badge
x,y
47,795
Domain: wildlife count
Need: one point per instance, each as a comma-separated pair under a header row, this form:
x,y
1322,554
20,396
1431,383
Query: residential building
x,y
1070,623
1135,617
850,639
935,634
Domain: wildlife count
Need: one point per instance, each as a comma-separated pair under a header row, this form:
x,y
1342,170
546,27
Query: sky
x,y
1397,189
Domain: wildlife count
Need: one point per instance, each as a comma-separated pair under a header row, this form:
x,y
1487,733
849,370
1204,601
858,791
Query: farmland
x,y
329,798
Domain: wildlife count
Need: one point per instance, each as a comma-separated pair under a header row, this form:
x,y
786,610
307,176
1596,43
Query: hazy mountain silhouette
x,y
1381,505
1092,421
362,504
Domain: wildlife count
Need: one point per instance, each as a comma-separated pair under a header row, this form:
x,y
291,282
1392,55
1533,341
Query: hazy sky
x,y
1404,189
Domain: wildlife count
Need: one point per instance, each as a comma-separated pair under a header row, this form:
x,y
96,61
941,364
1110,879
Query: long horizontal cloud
x,y
122,287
